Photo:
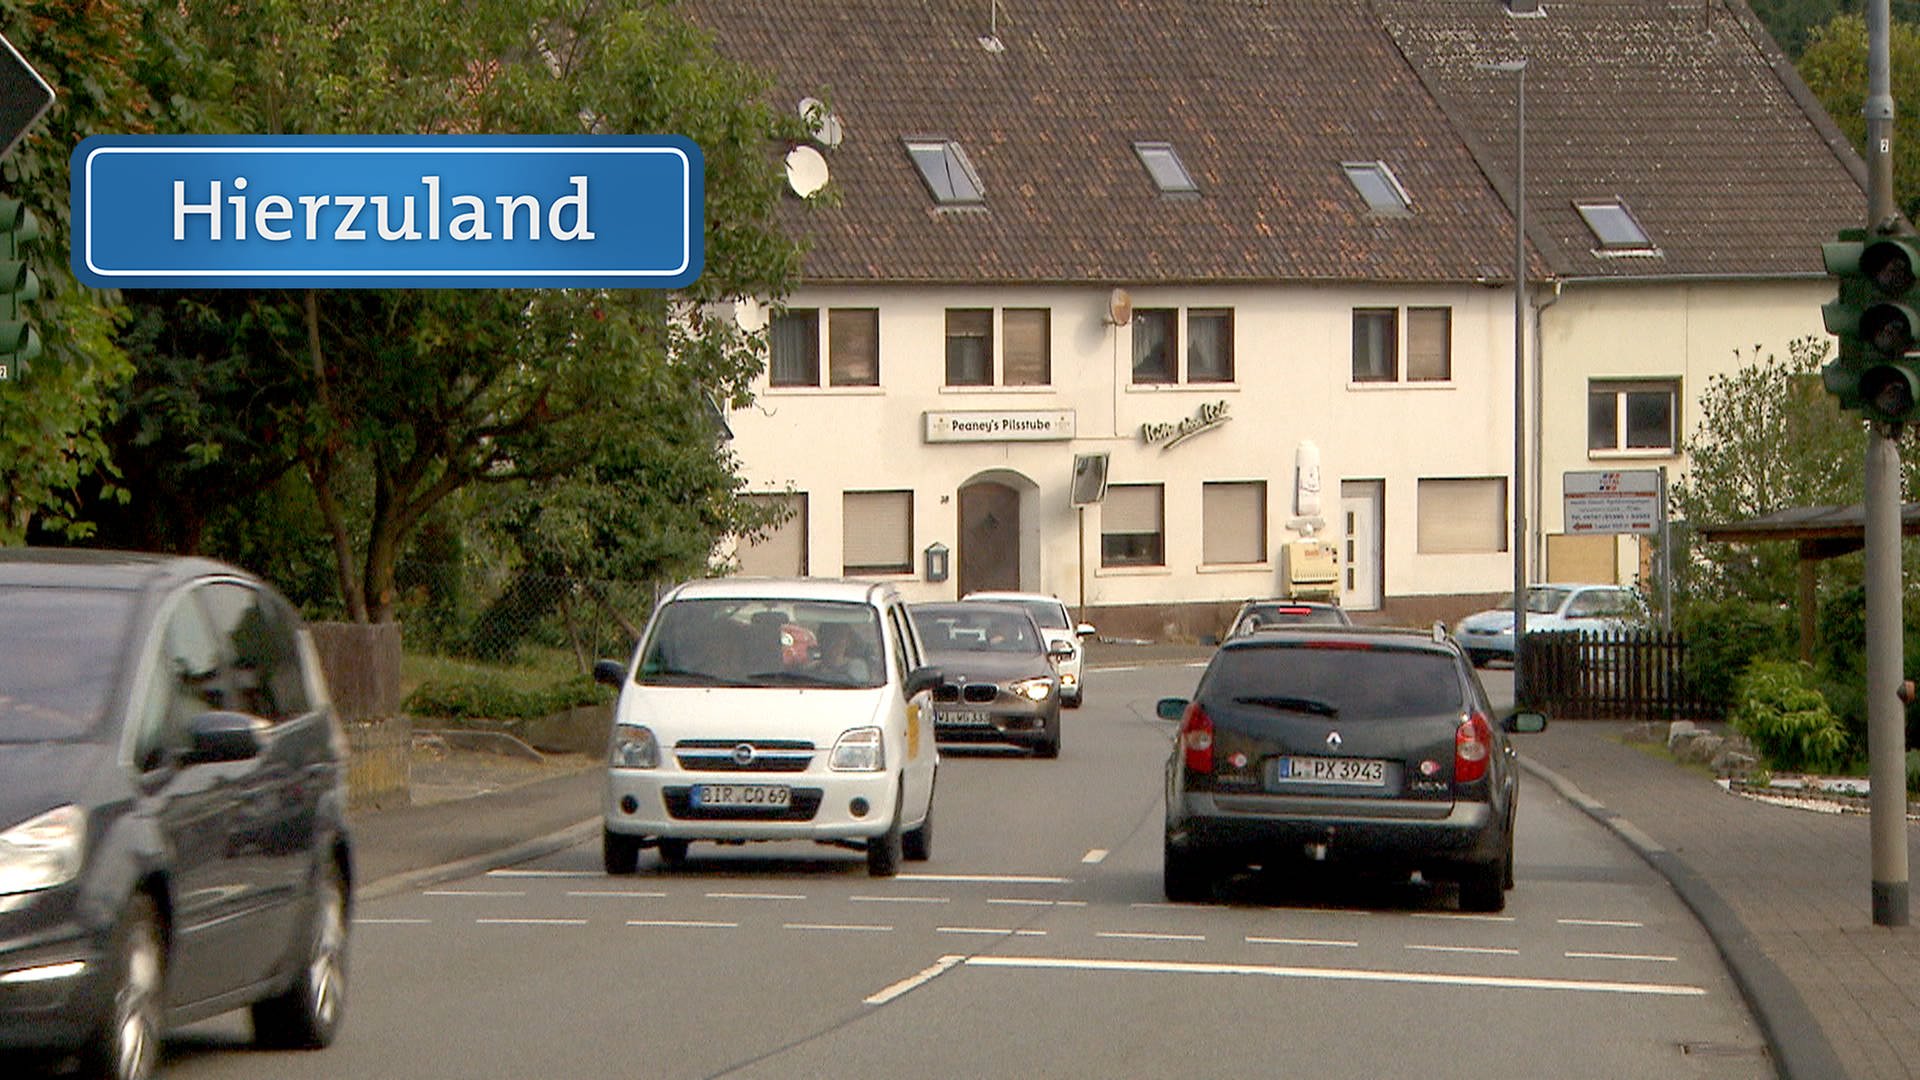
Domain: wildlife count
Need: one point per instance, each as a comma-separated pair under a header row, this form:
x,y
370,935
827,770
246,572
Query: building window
x,y
1378,187
1210,345
1156,345
877,532
1131,525
1376,344
782,550
1466,515
1614,226
794,344
1164,165
1026,337
1429,344
1632,416
969,346
947,172
1233,522
853,347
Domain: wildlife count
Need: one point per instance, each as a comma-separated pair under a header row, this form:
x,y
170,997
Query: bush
x,y
489,698
1913,772
1779,707
1725,636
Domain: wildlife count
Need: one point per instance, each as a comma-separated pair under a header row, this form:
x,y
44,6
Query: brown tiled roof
x,y
1263,101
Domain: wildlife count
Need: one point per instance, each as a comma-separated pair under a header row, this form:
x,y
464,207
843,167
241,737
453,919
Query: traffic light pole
x,y
1886,712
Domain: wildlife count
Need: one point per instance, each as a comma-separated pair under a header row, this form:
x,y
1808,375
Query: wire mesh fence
x,y
518,617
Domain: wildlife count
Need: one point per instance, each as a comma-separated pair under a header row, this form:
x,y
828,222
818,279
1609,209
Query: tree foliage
x,y
1793,22
1834,67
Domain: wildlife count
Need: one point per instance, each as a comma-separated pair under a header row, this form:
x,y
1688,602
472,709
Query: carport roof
x,y
1808,523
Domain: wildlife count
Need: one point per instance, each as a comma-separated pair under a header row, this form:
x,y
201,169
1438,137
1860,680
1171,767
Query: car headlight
x,y
42,852
1034,689
634,747
859,750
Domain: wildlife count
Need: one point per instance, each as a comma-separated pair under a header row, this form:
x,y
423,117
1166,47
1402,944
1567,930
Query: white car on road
x,y
1488,635
1059,628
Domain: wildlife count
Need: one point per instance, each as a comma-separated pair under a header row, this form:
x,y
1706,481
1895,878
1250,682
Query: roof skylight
x,y
1377,185
948,173
1166,168
1613,225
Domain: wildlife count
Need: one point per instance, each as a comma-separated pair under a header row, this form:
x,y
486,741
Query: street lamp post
x,y
1517,496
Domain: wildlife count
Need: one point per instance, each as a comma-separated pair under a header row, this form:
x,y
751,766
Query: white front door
x,y
1361,505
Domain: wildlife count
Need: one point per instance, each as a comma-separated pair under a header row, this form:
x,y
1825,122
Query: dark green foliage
x,y
1779,707
498,699
1725,636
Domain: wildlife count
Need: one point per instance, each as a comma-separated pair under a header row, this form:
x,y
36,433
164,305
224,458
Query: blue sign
x,y
375,211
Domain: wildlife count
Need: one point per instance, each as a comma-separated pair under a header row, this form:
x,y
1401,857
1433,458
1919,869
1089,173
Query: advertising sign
x,y
1617,501
999,426
473,211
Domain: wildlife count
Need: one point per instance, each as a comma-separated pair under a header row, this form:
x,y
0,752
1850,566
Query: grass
x,y
533,667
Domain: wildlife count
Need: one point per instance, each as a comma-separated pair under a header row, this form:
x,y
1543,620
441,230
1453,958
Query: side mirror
x,y
1060,650
221,736
609,673
922,678
1171,708
1525,723
1085,629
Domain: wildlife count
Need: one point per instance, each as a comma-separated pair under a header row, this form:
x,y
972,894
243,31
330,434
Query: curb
x,y
524,851
1798,1046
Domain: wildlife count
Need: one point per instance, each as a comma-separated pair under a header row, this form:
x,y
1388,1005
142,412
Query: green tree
x,y
388,403
1834,67
1792,22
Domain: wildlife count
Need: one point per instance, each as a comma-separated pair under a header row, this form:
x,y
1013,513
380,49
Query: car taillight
x,y
1472,746
1196,737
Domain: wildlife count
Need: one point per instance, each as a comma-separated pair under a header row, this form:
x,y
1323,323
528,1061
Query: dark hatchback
x,y
1372,749
999,683
173,839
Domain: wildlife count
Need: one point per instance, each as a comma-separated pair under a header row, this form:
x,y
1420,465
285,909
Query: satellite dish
x,y
806,171
749,314
1120,307
827,130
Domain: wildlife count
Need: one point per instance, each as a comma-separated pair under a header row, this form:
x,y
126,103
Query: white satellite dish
x,y
749,314
827,130
806,171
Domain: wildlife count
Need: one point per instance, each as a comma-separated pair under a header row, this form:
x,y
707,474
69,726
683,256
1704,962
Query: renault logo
x,y
1333,739
743,754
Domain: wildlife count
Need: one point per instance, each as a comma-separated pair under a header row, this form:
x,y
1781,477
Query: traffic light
x,y
19,344
1877,319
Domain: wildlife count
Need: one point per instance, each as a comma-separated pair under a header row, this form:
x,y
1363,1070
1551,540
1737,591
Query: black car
x,y
999,683
1370,748
1259,614
173,838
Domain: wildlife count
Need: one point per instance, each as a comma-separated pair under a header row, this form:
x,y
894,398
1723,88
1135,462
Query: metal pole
x,y
1666,558
1886,714
1519,494
1081,561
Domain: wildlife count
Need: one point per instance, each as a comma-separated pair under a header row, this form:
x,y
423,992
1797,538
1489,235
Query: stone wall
x,y
1199,622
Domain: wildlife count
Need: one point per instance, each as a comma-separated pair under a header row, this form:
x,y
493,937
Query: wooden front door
x,y
989,538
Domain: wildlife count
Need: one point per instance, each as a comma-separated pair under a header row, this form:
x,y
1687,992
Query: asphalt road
x,y
1035,942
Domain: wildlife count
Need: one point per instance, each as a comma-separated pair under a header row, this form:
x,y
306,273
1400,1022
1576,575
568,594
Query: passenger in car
x,y
837,657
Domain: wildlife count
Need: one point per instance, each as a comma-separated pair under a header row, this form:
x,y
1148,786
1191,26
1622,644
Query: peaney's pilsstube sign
x,y
451,211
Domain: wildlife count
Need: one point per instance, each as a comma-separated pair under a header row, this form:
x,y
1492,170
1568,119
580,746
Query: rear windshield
x,y
757,642
61,651
1351,683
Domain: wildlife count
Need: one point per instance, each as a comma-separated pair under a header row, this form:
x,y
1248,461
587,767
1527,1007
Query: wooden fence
x,y
1626,675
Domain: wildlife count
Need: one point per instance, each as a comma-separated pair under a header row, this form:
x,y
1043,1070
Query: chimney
x,y
1522,7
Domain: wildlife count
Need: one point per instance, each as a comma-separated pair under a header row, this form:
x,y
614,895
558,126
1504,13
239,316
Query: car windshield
x,y
1540,600
966,629
761,642
1348,680
61,650
1050,615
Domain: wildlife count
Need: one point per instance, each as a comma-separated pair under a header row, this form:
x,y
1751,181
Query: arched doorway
x,y
989,556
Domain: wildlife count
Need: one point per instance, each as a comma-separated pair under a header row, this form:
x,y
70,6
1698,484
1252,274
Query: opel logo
x,y
743,754
1333,740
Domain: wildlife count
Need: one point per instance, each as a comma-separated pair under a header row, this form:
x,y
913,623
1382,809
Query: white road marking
x,y
697,924
1623,924
988,879
1622,956
624,894
939,967
1462,918
1180,967
391,922
1116,670
531,922
1139,935
1024,902
900,899
1303,941
1478,950
999,931
837,926
470,892
545,873
1095,855
753,896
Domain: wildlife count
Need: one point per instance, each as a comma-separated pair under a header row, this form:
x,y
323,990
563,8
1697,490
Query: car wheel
x,y
673,852
127,1045
1187,878
885,851
917,844
1049,745
307,1014
1072,702
619,853
1481,888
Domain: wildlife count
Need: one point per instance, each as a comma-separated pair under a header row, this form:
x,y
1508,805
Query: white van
x,y
773,709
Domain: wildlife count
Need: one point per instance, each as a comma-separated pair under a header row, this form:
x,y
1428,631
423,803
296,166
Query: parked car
x,y
1488,635
1259,614
1373,749
173,834
723,731
998,682
1060,629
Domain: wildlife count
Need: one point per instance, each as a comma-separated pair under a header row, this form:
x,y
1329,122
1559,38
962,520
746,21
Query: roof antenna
x,y
991,42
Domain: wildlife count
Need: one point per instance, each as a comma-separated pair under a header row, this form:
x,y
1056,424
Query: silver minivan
x,y
772,709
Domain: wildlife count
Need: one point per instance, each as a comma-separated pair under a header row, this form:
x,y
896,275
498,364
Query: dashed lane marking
x,y
1096,855
471,892
935,970
1418,978
1477,950
391,922
1018,901
988,879
900,899
1303,941
851,927
1462,918
531,922
544,873
997,931
1623,956
693,924
1624,924
753,896
1139,935
621,893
